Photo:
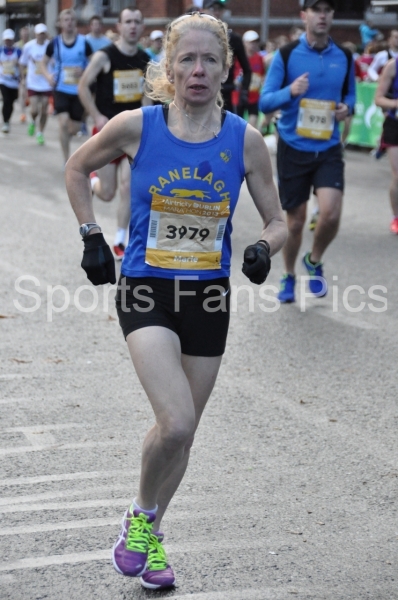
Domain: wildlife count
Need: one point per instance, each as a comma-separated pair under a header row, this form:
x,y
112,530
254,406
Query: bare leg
x,y
393,156
194,367
330,204
67,128
295,224
106,187
43,113
253,120
163,373
34,107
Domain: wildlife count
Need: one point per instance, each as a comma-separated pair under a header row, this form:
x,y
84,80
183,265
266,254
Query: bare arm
x,y
386,78
44,69
262,189
99,62
120,136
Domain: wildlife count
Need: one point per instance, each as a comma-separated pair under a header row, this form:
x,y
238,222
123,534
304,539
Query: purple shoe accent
x,y
158,573
129,554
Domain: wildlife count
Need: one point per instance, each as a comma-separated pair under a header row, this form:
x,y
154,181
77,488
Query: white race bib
x,y
71,75
9,68
184,233
128,86
316,119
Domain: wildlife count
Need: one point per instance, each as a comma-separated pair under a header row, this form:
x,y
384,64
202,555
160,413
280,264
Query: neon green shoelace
x,y
138,534
157,560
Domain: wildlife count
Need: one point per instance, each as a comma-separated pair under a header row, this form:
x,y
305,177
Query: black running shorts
x,y
299,171
70,104
195,310
390,132
252,108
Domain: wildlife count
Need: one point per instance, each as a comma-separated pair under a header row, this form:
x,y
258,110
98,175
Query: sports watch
x,y
85,229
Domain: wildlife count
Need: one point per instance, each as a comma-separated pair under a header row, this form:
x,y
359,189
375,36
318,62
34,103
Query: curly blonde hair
x,y
157,85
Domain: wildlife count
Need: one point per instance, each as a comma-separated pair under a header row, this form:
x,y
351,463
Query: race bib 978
x,y
316,119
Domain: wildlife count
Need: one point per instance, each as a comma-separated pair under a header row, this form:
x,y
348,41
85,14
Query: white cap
x,y
40,28
250,36
8,34
156,35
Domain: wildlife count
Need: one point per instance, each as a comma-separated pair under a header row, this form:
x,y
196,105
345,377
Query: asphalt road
x,y
292,486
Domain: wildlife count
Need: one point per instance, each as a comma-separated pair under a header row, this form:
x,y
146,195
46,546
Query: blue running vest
x,y
183,196
66,58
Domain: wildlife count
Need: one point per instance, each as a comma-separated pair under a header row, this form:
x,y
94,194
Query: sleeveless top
x,y
394,91
183,196
122,87
67,58
9,69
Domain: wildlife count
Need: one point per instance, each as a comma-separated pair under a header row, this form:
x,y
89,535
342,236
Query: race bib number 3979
x,y
185,233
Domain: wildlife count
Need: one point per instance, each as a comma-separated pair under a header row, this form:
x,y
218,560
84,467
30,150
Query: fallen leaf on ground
x,y
21,360
320,523
7,316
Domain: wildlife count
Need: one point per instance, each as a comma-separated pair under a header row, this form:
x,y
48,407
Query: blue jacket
x,y
327,71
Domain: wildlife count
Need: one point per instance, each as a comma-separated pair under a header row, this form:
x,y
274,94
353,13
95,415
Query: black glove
x,y
98,261
257,263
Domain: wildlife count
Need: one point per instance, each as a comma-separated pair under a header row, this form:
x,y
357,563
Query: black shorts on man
x,y
299,171
70,104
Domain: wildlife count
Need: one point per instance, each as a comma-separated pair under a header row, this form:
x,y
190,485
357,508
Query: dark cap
x,y
311,3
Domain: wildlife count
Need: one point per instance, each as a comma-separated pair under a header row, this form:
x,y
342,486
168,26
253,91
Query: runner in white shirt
x,y
382,58
39,90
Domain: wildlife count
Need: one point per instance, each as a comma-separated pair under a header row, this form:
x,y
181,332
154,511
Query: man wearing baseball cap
x,y
9,76
154,51
251,41
312,81
38,88
216,9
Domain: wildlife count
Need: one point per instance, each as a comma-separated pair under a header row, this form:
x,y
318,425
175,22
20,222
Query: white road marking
x,y
63,526
64,477
7,579
74,446
45,215
66,505
39,428
15,400
245,594
62,559
39,435
40,438
343,319
12,501
15,161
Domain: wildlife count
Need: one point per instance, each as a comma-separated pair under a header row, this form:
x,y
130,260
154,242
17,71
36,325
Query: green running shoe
x,y
40,139
31,129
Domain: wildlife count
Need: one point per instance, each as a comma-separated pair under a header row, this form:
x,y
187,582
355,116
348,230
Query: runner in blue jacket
x,y
312,82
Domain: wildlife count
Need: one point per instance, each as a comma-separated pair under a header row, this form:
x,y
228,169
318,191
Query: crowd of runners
x,y
164,110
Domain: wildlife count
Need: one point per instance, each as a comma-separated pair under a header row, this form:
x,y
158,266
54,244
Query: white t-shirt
x,y
379,61
32,55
